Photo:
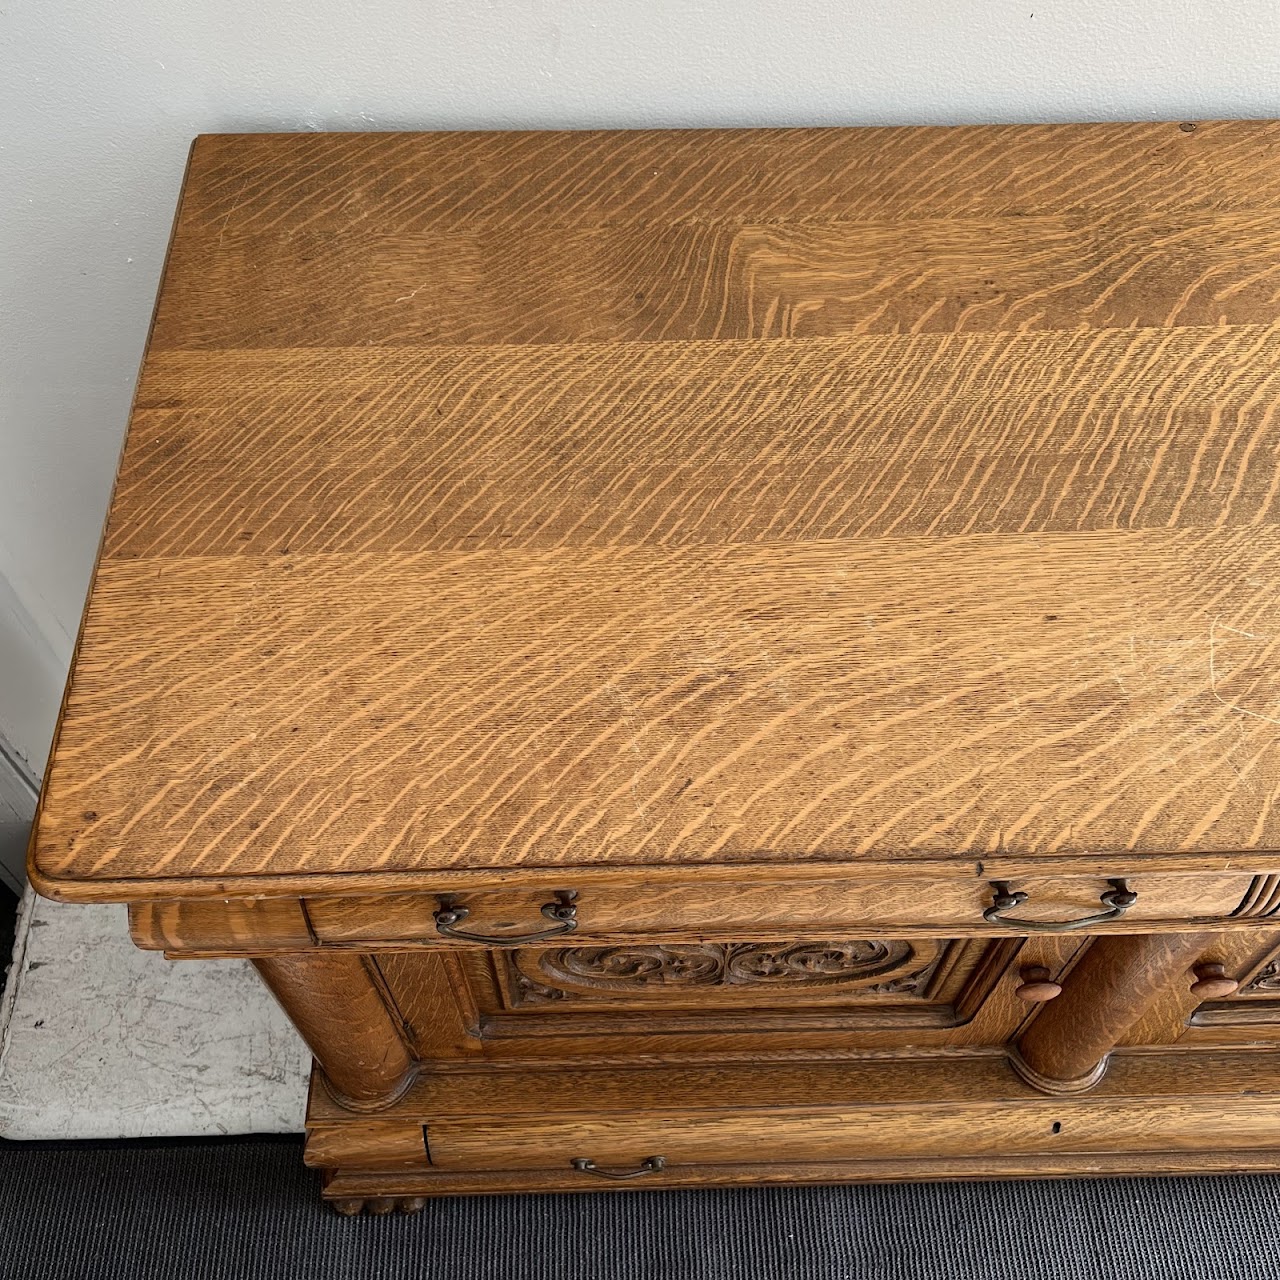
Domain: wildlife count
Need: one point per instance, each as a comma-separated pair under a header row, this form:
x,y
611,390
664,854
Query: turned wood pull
x,y
1116,901
1037,985
562,909
654,1164
1211,982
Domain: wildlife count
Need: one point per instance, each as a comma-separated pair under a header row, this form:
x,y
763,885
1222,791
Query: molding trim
x,y
34,666
18,792
34,660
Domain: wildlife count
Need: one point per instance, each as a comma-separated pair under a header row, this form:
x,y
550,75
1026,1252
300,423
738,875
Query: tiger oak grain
x,y
527,500
795,543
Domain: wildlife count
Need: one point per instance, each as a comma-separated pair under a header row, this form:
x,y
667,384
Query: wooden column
x,y
336,1002
1065,1049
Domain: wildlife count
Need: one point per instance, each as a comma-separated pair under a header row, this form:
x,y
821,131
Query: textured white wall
x,y
98,103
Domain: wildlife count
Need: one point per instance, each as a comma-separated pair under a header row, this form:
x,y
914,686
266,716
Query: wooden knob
x,y
1036,986
1212,982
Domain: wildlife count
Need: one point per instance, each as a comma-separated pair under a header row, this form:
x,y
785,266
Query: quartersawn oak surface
x,y
537,500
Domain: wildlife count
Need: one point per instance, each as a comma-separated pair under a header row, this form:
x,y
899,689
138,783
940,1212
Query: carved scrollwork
x,y
637,966
813,963
873,966
532,992
1266,982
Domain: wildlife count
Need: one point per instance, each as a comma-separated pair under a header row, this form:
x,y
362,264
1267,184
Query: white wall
x,y
98,103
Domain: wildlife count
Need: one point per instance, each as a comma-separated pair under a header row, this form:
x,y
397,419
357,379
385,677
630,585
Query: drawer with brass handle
x,y
798,908
561,1127
625,1143
650,1164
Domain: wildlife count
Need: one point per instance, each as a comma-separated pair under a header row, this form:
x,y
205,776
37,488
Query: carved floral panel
x,y
870,966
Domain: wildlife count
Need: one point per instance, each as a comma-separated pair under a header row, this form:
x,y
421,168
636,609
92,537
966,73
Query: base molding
x,y
394,1188
18,791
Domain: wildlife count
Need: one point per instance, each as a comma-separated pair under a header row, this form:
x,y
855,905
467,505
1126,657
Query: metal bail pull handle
x,y
1116,901
562,909
654,1164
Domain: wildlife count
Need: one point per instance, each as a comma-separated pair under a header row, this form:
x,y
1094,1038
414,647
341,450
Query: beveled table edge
x,y
426,879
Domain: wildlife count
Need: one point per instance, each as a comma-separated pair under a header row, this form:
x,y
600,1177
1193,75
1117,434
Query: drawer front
x,y
799,909
648,1145
561,1127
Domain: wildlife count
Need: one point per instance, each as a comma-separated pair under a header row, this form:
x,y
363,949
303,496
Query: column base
x,y
1050,1085
366,1106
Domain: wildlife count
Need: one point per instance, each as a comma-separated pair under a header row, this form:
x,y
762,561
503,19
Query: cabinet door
x,y
717,998
1248,1017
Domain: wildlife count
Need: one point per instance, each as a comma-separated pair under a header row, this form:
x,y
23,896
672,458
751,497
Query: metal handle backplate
x,y
654,1164
1116,901
562,909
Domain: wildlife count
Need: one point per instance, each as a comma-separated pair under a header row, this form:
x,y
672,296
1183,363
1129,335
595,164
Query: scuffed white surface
x,y
101,1040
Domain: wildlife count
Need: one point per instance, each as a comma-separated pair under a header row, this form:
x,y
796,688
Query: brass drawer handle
x,y
1117,900
562,909
654,1164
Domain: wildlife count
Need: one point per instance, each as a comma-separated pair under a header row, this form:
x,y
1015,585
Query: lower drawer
x,y
566,1128
642,1145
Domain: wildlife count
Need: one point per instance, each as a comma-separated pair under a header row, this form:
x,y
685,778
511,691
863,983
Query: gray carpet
x,y
246,1208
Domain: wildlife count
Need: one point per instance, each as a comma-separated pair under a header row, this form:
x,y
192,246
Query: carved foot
x,y
349,1207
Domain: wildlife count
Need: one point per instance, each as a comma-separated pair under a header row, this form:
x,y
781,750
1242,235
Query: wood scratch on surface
x,y
1214,627
231,213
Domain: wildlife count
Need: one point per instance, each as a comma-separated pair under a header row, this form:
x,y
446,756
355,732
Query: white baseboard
x,y
34,652
17,808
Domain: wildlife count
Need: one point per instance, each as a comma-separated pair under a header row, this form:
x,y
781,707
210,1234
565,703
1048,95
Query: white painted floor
x,y
101,1040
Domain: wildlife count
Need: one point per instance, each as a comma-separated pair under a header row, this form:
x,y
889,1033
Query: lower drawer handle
x,y
654,1164
562,909
1117,900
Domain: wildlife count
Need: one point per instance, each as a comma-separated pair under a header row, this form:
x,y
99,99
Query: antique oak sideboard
x,y
711,657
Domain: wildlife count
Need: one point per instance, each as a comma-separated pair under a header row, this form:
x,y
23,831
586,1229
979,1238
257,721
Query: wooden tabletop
x,y
612,499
